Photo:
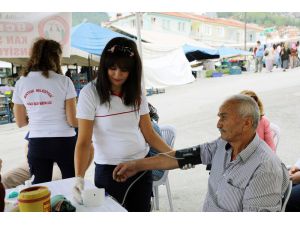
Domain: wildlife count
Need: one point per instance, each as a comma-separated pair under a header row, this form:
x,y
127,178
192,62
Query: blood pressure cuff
x,y
188,156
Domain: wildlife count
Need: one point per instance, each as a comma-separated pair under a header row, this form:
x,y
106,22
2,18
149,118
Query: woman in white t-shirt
x,y
113,112
45,100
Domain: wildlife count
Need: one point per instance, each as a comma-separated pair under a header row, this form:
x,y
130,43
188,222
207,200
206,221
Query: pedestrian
x,y
113,112
294,56
285,54
258,54
45,100
269,58
277,56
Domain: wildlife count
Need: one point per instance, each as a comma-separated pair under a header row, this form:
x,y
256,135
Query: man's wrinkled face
x,y
230,123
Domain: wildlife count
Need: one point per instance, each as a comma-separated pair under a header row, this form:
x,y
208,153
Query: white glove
x,y
188,166
77,190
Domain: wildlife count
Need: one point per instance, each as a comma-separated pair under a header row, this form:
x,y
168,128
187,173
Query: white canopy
x,y
164,60
165,66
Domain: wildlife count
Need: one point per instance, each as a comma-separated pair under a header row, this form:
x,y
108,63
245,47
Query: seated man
x,y
245,174
293,204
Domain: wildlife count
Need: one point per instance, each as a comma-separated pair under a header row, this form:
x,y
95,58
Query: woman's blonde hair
x,y
45,55
253,95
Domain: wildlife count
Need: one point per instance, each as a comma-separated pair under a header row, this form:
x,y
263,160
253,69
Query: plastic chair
x,y
168,134
286,196
276,134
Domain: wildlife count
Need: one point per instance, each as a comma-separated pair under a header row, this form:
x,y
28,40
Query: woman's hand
x,y
295,177
293,170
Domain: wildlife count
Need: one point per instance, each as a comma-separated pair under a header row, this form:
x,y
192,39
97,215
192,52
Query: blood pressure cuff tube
x,y
188,156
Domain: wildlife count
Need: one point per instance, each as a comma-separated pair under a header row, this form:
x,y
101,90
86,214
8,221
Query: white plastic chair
x,y
286,196
168,134
276,134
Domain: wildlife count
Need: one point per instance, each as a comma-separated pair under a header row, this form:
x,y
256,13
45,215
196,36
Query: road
x,y
192,109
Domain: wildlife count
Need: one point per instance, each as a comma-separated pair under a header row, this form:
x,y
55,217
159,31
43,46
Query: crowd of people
x,y
115,131
282,55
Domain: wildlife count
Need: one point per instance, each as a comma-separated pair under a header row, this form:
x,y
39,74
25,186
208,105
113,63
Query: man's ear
x,y
248,122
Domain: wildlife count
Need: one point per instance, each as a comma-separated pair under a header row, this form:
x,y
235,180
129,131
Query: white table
x,y
64,187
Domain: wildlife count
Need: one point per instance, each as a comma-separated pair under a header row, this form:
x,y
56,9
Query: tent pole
x,y
139,43
89,70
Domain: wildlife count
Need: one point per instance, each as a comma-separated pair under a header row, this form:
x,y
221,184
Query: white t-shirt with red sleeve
x,y
116,133
44,99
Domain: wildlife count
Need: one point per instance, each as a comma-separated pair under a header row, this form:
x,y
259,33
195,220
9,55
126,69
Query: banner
x,y
18,31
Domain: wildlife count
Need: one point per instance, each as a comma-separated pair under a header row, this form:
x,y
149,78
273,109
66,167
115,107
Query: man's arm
x,y
125,170
184,158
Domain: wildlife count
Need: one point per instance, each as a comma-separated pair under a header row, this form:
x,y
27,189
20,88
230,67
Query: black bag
x,y
153,113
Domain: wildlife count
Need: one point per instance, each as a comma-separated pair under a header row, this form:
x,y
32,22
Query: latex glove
x,y
188,166
77,190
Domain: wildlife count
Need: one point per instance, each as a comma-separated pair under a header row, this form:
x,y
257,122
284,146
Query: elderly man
x,y
245,174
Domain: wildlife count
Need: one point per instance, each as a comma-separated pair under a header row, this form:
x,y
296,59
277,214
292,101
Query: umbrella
x,y
91,38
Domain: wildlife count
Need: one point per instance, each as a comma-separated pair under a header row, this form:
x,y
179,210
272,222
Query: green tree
x,y
92,17
265,19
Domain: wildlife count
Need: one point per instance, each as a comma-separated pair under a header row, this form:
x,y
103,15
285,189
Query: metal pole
x,y
139,44
245,37
138,31
245,30
89,70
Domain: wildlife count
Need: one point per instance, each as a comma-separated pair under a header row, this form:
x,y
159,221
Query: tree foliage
x,y
91,17
264,19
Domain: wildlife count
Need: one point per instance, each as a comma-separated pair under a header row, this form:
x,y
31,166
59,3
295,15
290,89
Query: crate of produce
x,y
235,70
217,74
4,119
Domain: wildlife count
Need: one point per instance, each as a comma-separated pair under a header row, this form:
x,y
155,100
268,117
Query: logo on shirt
x,y
38,90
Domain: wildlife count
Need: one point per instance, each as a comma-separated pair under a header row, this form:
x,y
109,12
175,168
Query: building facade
x,y
212,31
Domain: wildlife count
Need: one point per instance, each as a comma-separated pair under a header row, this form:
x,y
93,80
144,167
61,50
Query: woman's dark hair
x,y
45,56
121,52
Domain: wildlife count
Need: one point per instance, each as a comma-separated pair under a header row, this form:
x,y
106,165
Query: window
x,y
220,31
166,24
153,20
181,26
132,23
251,37
238,37
206,29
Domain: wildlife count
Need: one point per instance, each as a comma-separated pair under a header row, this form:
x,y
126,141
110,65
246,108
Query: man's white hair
x,y
246,107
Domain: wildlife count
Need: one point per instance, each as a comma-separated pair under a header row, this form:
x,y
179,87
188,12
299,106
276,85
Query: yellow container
x,y
35,199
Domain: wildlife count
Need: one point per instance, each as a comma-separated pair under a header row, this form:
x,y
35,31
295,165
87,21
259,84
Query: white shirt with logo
x,y
116,133
44,99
